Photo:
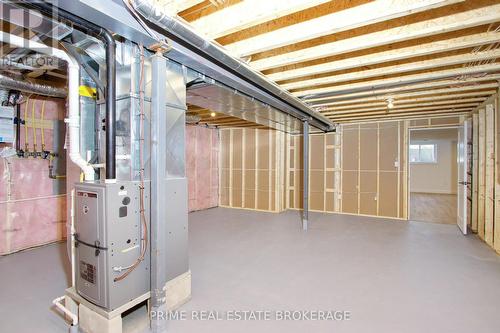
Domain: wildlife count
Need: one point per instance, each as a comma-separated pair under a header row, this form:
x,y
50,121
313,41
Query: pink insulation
x,y
202,158
30,213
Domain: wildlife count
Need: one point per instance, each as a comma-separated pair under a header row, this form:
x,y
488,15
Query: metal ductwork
x,y
32,88
182,33
110,89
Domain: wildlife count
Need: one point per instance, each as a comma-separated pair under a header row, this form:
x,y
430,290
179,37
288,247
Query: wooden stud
x,y
481,174
475,168
489,181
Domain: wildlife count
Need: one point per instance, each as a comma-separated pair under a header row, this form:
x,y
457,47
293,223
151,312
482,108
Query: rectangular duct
x,y
217,97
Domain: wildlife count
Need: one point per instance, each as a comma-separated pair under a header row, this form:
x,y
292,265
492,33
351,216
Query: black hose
x,y
110,89
18,128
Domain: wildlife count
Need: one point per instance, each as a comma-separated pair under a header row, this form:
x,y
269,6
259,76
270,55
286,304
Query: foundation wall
x,y
32,205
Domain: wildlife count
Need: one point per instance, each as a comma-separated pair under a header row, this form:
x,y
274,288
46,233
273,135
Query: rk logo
x,y
28,35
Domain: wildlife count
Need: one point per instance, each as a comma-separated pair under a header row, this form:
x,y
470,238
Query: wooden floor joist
x,y
462,42
452,22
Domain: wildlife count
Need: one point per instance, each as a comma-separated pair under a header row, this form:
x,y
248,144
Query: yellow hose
x,y
26,127
33,125
41,124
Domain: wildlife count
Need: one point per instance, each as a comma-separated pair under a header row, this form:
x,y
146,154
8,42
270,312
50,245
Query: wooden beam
x,y
443,99
463,20
173,7
404,116
404,108
395,69
435,93
246,14
355,17
404,112
472,81
390,55
402,80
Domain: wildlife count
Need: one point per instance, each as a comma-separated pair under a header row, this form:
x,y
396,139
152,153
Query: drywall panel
x,y
317,152
263,147
249,143
350,203
368,181
350,182
368,146
368,204
389,145
237,151
249,199
419,122
225,142
350,147
263,200
445,121
330,202
317,201
388,196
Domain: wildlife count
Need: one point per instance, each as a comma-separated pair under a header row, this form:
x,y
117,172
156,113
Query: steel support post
x,y
158,194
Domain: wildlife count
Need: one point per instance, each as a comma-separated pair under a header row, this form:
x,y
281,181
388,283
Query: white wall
x,y
440,177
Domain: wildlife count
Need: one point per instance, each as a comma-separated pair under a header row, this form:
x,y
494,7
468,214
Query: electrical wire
x,y
151,33
144,239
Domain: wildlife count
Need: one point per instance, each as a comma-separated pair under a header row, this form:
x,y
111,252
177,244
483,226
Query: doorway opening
x,y
433,175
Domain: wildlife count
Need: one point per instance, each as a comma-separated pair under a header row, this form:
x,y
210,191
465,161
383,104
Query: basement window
x,y
423,153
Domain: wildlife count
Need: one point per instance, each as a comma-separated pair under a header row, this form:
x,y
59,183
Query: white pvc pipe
x,y
57,303
73,120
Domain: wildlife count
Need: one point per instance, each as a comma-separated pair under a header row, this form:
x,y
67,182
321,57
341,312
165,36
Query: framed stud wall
x,y
252,169
324,172
485,183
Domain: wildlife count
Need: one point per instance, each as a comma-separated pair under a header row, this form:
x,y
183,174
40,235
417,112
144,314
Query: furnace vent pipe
x,y
110,91
73,96
182,31
32,88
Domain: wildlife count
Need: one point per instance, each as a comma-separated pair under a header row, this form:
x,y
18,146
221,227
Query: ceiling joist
x,y
458,21
390,55
351,18
434,93
402,80
246,14
396,69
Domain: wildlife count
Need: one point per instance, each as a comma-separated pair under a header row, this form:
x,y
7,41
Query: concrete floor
x,y
433,207
391,275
